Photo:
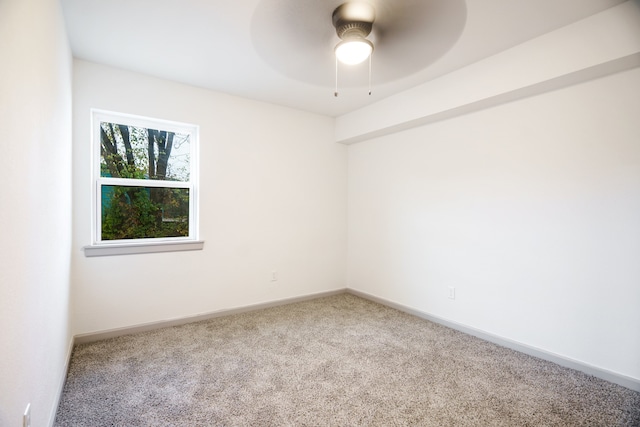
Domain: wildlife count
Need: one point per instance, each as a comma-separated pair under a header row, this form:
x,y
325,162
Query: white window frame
x,y
101,247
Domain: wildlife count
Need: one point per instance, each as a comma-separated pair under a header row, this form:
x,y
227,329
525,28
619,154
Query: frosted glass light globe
x,y
353,51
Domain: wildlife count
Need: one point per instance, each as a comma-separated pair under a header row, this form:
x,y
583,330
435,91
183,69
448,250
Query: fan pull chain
x,y
335,93
370,73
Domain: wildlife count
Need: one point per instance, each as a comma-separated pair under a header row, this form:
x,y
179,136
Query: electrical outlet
x,y
452,293
274,276
26,418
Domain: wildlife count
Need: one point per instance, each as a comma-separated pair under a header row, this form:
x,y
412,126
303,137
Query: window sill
x,y
141,248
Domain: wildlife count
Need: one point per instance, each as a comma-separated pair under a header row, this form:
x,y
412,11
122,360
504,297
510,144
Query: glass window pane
x,y
143,153
144,212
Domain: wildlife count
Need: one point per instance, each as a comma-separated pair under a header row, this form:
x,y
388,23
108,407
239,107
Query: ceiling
x,y
281,51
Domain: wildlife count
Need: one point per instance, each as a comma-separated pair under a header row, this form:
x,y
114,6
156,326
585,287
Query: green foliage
x,y
141,212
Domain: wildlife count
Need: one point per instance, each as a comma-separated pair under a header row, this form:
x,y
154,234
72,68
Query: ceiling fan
x,y
301,38
353,22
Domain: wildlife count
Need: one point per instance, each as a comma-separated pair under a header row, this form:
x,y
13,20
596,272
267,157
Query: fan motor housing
x,y
353,30
353,20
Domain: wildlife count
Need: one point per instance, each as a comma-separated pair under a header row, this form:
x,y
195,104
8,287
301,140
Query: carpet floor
x,y
333,361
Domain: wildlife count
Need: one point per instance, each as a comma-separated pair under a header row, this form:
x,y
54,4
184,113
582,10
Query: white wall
x,y
595,46
35,213
529,209
272,197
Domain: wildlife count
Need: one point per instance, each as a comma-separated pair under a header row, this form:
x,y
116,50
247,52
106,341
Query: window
x,y
145,194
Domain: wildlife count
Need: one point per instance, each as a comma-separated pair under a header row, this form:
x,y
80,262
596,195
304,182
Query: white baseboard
x,y
63,379
112,333
623,380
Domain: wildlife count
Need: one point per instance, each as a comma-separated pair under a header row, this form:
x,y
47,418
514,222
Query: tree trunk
x,y
124,131
109,151
151,138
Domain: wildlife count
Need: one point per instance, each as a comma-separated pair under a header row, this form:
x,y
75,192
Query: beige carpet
x,y
334,361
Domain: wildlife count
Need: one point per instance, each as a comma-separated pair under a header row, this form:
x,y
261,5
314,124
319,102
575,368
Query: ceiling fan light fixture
x,y
353,51
353,22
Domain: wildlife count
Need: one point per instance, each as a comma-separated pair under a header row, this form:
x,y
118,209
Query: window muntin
x,y
145,172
